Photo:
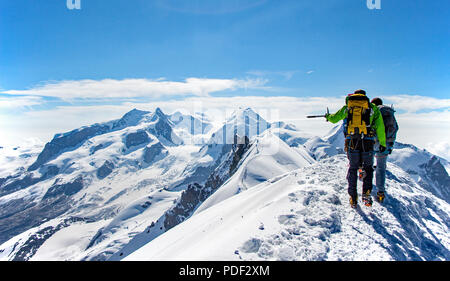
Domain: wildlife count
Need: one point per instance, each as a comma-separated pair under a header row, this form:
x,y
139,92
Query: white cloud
x,y
415,103
19,102
440,148
45,123
130,88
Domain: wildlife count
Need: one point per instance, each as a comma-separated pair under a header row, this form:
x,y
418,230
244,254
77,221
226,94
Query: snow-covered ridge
x,y
130,182
267,158
304,215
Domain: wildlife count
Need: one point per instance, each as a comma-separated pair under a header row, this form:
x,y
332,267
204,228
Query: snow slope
x,y
304,215
105,190
98,173
329,145
268,157
106,173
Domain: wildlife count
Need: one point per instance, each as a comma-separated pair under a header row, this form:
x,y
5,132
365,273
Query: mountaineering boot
x,y
367,199
380,196
354,202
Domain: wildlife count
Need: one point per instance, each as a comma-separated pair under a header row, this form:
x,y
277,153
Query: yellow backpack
x,y
358,115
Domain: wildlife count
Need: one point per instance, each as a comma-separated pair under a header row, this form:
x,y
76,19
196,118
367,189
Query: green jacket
x,y
376,121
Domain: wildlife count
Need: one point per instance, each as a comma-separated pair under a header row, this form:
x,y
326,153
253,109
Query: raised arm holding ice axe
x,y
319,116
362,121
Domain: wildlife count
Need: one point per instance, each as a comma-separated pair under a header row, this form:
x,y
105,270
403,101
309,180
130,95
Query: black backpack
x,y
390,124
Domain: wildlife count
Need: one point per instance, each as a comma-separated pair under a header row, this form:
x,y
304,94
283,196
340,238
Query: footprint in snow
x,y
287,219
251,246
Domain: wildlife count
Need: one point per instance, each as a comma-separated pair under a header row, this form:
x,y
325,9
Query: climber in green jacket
x,y
375,119
363,123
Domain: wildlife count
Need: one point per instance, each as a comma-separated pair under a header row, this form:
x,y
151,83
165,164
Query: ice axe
x,y
318,116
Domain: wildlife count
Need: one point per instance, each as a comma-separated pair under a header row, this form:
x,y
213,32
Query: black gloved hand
x,y
382,149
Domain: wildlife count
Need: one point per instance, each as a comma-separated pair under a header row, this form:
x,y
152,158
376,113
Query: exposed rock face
x,y
195,194
20,215
67,141
36,240
138,138
105,169
67,189
52,170
10,186
96,148
151,152
240,146
436,173
162,128
18,184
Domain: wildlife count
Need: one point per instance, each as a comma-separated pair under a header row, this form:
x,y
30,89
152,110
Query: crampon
x,y
367,199
380,196
354,202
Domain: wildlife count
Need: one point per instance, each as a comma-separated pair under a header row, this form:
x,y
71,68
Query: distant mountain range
x,y
152,186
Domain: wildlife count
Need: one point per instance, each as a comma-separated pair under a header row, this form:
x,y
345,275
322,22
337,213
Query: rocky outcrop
x,y
195,194
23,181
18,184
35,241
153,151
65,142
240,146
96,148
138,138
66,189
105,169
162,128
436,174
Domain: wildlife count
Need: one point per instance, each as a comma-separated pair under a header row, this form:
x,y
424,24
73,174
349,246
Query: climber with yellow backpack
x,y
363,124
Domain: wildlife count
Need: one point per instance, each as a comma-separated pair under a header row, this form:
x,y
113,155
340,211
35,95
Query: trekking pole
x,y
318,116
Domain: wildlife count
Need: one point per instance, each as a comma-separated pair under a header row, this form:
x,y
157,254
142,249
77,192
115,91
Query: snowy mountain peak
x,y
241,113
283,125
131,118
159,116
243,122
159,113
335,134
134,113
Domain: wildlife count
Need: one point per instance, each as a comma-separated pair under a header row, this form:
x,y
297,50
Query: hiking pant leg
x,y
367,159
354,158
380,175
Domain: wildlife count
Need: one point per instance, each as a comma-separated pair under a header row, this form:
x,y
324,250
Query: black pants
x,y
360,154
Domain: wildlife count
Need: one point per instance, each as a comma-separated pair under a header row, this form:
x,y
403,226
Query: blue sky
x,y
143,52
400,49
